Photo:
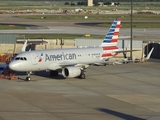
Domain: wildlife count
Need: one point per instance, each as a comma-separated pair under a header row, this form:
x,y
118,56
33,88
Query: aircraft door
x,y
34,58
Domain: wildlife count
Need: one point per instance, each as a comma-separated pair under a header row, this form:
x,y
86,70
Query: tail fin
x,y
111,38
24,46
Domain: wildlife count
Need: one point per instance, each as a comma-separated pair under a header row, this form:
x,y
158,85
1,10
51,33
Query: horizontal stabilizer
x,y
120,51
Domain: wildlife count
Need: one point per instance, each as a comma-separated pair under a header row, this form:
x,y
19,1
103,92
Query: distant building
x,y
90,2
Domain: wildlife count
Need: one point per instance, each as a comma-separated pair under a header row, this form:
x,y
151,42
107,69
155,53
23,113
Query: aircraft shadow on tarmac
x,y
44,74
119,114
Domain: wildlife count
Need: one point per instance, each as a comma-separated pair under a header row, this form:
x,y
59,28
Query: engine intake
x,y
71,71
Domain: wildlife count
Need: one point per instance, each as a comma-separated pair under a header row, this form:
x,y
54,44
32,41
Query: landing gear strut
x,y
28,78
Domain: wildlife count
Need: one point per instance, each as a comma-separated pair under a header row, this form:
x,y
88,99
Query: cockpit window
x,y
17,58
20,58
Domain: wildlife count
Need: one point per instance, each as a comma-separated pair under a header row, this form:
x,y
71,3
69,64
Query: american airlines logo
x,y
57,57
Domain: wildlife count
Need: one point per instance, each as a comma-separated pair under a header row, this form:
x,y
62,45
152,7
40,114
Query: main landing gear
x,y
82,75
55,73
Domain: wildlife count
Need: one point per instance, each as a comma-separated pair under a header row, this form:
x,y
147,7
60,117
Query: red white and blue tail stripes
x,y
109,44
111,38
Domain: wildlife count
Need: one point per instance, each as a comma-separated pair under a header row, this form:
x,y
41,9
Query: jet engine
x,y
71,71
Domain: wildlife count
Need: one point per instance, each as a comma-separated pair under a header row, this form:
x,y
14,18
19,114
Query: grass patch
x,y
92,17
135,25
10,27
57,36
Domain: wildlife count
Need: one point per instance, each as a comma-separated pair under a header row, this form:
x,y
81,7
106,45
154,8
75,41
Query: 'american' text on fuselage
x,y
58,57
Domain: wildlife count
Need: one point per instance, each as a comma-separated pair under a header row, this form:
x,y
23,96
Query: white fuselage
x,y
55,58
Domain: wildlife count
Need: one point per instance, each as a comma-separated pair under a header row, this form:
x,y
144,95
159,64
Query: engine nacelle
x,y
71,71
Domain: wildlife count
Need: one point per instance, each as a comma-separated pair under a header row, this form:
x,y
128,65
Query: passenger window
x,y
21,58
25,58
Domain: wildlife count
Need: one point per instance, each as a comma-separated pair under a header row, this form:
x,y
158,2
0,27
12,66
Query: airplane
x,y
72,61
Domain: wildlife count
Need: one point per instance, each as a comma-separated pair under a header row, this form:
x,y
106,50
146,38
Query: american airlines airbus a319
x,y
72,61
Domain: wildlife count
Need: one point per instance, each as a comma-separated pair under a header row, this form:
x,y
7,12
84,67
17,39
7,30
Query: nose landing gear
x,y
28,78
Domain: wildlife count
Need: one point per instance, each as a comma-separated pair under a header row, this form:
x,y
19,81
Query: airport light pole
x,y
131,32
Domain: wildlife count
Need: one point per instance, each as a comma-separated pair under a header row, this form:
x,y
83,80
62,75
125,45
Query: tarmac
x,y
112,92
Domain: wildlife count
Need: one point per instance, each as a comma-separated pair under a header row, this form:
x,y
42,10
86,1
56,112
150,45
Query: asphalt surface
x,y
120,92
113,92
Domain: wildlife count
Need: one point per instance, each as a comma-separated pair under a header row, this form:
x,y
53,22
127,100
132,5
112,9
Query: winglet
x,y
24,46
149,54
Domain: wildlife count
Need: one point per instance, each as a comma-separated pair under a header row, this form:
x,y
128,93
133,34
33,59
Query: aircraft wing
x,y
54,66
126,60
121,50
113,62
81,65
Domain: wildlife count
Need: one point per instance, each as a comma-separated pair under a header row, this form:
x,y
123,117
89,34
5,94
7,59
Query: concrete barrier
x,y
56,44
52,44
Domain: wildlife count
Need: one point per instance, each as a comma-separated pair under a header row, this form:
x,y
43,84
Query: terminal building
x,y
90,2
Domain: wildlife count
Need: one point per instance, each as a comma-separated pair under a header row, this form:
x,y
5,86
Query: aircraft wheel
x,y
82,76
28,78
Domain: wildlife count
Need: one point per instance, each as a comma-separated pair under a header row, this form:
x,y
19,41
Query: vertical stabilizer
x,y
24,46
109,44
111,38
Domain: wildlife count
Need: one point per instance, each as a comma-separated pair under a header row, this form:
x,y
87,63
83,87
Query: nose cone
x,y
13,66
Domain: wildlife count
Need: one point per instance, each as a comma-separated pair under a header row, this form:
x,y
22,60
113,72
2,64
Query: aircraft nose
x,y
13,66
